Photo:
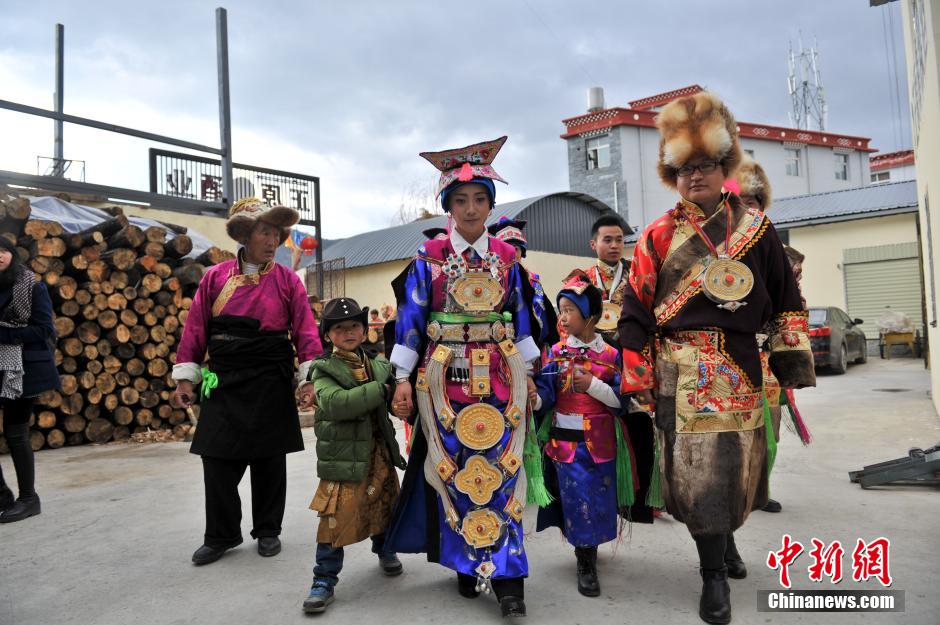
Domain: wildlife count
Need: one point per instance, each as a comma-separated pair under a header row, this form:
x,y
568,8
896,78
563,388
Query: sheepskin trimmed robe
x,y
705,360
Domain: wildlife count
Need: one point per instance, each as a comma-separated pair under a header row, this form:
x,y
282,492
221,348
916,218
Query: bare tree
x,y
418,201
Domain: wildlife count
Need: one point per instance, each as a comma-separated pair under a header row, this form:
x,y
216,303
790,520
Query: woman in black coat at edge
x,y
27,368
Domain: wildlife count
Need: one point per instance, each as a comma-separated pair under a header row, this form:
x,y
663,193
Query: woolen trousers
x,y
224,506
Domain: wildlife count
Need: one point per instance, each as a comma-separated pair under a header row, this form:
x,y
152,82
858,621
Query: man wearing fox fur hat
x,y
706,277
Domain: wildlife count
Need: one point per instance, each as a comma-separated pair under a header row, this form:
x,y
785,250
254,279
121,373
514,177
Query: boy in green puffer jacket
x,y
356,449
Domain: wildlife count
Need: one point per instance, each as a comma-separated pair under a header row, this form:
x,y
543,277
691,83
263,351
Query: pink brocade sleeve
x,y
192,347
304,329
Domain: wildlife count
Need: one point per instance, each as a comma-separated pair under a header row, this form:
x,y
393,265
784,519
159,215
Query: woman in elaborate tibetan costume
x,y
464,346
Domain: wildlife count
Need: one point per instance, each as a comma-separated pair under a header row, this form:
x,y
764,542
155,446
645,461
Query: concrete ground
x,y
120,522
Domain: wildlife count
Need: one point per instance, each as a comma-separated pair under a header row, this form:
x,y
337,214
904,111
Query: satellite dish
x,y
243,188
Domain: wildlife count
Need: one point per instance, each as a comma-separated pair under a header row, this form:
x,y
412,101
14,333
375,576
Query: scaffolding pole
x,y
58,166
225,109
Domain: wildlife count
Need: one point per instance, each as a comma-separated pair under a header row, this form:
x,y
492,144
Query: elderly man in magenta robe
x,y
251,315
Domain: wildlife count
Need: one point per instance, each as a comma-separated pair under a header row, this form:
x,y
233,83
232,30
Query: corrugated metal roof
x,y
400,242
870,201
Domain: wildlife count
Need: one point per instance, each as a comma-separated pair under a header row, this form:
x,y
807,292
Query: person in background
x,y
27,340
610,271
512,231
251,314
753,187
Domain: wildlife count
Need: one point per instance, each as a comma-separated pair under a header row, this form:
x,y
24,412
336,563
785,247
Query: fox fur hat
x,y
753,181
696,126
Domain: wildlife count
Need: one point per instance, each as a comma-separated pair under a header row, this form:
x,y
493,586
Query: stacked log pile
x,y
120,296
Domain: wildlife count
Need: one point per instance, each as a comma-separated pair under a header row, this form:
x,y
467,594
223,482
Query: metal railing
x,y
180,175
327,280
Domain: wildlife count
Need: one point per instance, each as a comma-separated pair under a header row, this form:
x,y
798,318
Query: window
x,y
598,152
792,156
880,176
817,316
842,166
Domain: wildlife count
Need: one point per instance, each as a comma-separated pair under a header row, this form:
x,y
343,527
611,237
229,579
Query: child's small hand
x,y
402,403
582,379
305,396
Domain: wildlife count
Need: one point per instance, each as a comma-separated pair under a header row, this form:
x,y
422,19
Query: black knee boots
x,y
27,503
588,584
736,568
715,604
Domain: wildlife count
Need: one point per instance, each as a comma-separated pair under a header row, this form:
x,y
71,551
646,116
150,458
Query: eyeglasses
x,y
706,168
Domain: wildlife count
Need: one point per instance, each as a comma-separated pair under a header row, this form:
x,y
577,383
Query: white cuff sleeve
x,y
603,393
538,403
404,360
527,347
302,372
187,371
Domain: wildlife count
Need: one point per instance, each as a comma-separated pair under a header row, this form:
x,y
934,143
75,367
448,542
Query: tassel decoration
x,y
536,492
769,433
626,492
798,423
654,496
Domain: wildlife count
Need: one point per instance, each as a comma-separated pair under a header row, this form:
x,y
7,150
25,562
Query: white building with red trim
x,y
612,155
893,167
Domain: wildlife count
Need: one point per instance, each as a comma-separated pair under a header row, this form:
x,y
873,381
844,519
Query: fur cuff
x,y
794,369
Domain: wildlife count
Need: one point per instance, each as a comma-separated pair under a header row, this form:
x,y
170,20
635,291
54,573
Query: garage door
x,y
880,277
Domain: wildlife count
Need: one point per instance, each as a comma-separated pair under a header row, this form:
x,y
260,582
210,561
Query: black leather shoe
x,y
733,560
391,565
269,546
208,555
467,586
513,607
715,604
588,585
772,505
21,509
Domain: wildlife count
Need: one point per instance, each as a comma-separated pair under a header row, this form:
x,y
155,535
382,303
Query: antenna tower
x,y
807,95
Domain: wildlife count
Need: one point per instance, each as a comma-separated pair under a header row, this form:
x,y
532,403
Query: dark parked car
x,y
836,338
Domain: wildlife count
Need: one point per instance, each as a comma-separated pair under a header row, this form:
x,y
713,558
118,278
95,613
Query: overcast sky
x,y
352,90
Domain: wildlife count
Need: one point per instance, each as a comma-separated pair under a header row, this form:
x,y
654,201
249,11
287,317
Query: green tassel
x,y
654,496
536,491
769,433
626,495
545,429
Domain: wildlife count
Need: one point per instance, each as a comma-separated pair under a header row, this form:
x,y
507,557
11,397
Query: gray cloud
x,y
371,83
